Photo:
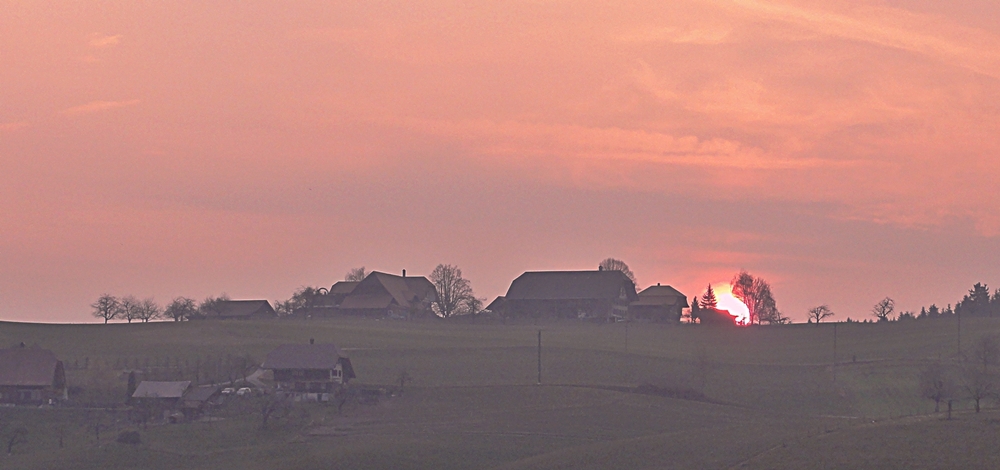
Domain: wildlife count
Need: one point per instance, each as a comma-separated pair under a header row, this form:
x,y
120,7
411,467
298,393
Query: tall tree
x,y
106,307
756,294
976,302
708,299
817,314
453,291
148,310
212,306
612,264
695,309
180,309
884,309
356,274
129,308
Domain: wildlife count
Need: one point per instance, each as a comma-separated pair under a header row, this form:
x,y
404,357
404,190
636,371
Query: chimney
x,y
657,284
312,341
404,273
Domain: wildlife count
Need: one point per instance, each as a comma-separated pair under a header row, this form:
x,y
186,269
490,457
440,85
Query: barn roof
x,y
153,389
658,295
379,290
27,367
570,285
303,356
244,308
343,287
203,393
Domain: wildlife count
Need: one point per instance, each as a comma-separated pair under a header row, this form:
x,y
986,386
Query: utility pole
x,y
835,354
539,357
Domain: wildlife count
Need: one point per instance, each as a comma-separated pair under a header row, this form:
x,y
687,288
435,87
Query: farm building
x,y
309,371
31,375
598,295
242,310
197,399
166,394
659,304
714,316
382,295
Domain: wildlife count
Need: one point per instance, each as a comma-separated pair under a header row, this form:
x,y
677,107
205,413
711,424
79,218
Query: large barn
x,y
594,295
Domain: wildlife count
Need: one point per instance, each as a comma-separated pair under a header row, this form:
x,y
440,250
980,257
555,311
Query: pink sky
x,y
844,150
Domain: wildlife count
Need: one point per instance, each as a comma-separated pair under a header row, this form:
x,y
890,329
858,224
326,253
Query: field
x,y
642,396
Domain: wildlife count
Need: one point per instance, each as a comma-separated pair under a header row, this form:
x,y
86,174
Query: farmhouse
x,y
31,375
598,295
382,295
309,371
243,310
659,304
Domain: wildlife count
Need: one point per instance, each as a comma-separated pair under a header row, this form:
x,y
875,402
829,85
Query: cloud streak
x,y
97,107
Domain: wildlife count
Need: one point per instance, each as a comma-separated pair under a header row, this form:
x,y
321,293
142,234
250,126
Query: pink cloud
x,y
97,106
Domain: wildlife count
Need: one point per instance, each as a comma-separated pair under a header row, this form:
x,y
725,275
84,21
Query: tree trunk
x,y
977,405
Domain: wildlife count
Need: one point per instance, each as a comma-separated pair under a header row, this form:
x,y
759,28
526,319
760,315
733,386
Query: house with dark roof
x,y
31,375
715,316
382,295
309,371
596,295
658,303
241,310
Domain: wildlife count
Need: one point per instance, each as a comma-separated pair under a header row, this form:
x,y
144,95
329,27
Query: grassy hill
x,y
759,397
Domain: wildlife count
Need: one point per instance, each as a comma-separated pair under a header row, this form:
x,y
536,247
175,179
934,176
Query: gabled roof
x,y
244,308
27,367
203,393
151,389
343,287
379,290
570,285
303,356
658,295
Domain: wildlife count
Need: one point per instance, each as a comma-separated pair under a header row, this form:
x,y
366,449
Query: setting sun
x,y
726,301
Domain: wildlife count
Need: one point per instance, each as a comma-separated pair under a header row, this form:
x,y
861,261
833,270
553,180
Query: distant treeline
x,y
978,302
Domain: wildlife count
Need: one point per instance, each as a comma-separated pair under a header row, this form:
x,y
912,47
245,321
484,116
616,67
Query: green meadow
x,y
612,396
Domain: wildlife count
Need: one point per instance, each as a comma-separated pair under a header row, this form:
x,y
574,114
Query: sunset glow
x,y
192,148
726,301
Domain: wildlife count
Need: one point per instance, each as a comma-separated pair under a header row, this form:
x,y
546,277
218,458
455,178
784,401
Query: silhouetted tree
x,y
978,383
883,309
106,307
986,351
356,274
128,308
302,300
212,306
817,314
180,308
612,264
148,310
453,291
976,303
708,299
936,384
695,309
756,294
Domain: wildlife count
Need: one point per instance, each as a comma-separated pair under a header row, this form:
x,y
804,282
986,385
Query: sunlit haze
x,y
842,150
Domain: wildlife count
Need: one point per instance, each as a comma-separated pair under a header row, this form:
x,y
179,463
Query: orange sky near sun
x,y
843,150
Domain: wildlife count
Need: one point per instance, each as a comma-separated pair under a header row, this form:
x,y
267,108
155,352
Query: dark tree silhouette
x,y
180,309
935,384
978,383
128,308
986,351
453,291
884,309
695,309
817,314
756,294
148,310
356,274
708,299
106,307
612,264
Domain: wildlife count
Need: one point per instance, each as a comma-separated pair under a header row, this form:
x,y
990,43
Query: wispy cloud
x,y
100,41
706,35
923,34
13,126
97,106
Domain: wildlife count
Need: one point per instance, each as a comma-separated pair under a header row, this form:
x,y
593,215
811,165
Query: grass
x,y
771,397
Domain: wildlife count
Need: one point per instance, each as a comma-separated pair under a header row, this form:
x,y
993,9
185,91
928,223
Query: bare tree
x,y
884,309
129,308
453,291
756,294
356,274
986,351
212,306
978,383
148,310
936,384
106,307
17,436
612,264
817,314
180,308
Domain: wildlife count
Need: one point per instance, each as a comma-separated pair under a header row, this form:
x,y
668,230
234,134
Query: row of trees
x,y
978,302
128,308
975,376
